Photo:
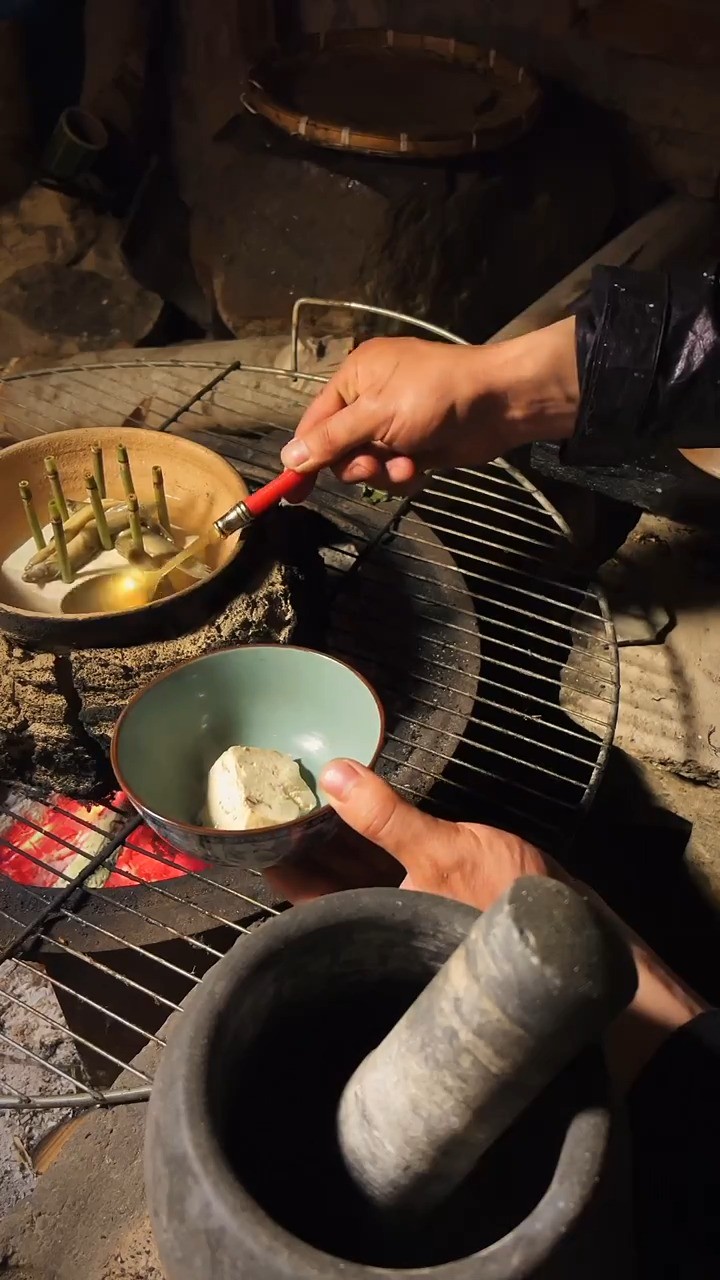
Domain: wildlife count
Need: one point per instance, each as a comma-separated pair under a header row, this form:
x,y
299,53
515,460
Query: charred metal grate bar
x,y
476,730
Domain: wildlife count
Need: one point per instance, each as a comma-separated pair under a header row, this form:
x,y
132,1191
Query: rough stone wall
x,y
653,62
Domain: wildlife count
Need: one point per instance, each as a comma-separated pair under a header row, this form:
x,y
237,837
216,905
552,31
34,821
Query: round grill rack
x,y
477,725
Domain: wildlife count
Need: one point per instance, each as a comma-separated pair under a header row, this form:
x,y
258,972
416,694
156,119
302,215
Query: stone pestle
x,y
538,977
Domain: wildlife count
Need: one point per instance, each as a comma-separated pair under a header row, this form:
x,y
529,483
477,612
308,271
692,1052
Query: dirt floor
x,y
66,1231
43,1035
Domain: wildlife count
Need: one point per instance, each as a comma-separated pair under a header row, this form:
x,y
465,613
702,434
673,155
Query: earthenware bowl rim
x,y
221,832
69,619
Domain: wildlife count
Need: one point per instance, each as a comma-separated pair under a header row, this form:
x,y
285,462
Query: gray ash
x,y
57,711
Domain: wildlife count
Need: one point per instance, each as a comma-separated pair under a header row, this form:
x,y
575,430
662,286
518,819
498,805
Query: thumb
x,y
325,440
375,811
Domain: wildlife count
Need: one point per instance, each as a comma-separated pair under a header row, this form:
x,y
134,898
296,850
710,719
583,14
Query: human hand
x,y
390,842
400,406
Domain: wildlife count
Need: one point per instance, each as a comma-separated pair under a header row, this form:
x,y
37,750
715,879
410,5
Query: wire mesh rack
x,y
478,727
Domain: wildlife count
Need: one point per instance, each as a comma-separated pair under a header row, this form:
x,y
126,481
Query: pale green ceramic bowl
x,y
298,701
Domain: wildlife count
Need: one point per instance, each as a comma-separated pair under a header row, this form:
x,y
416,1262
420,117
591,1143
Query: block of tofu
x,y
254,787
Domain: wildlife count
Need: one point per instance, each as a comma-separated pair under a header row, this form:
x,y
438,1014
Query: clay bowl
x,y
707,460
199,486
295,700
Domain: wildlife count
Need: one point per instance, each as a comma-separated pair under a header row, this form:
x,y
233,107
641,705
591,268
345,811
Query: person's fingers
x,y
406,490
359,467
374,464
396,475
329,401
331,437
400,470
375,811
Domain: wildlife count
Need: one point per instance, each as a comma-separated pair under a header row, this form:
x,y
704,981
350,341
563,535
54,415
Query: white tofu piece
x,y
254,787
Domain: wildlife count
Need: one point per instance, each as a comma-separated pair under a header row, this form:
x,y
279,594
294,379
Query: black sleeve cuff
x,y
648,352
619,328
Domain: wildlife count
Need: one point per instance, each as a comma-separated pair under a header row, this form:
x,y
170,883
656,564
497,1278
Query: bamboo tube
x,y
161,506
99,470
51,470
61,550
31,514
95,500
125,472
135,526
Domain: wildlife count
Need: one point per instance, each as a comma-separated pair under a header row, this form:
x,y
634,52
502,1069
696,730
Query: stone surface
x,y
64,286
53,309
44,228
663,592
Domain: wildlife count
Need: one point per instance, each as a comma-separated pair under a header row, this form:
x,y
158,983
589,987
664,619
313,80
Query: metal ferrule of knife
x,y
238,517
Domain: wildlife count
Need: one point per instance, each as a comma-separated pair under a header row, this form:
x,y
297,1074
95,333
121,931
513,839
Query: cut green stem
x,y
98,509
99,469
51,470
31,515
135,526
161,506
60,542
125,472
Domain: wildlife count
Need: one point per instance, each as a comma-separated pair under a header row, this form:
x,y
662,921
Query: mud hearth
x,y
57,710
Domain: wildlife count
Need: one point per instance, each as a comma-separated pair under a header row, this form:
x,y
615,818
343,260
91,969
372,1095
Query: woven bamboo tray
x,y
392,93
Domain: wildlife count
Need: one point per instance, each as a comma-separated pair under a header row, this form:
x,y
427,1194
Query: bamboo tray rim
x,y
517,103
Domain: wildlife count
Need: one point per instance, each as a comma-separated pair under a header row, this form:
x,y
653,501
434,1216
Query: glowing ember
x,y
40,840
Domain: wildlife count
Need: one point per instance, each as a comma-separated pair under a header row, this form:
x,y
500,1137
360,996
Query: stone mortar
x,y
244,1176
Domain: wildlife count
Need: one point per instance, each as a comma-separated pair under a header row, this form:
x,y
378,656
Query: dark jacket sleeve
x,y
648,350
674,1113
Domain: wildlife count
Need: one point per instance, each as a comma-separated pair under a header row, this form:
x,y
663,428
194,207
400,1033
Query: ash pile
x,y
58,708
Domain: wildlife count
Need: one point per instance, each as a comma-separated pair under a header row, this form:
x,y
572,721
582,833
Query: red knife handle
x,y
283,486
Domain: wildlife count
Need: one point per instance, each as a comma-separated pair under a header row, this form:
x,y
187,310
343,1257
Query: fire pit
x,y
470,673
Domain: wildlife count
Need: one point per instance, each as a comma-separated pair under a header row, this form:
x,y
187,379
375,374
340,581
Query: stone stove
x,y
456,607
57,710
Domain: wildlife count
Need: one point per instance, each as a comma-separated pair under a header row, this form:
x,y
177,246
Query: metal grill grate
x,y
90,975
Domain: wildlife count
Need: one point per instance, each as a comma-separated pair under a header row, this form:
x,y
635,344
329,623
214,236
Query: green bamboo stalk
x,y
125,472
31,515
161,506
99,470
95,500
61,551
51,470
135,526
